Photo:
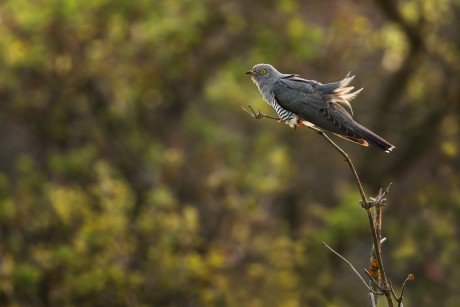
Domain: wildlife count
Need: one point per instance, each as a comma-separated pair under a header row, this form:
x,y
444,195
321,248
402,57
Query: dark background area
x,y
130,175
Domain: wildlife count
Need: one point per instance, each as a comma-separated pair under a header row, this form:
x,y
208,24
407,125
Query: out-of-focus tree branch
x,y
412,31
418,135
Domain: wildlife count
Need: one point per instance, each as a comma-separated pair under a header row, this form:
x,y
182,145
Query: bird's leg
x,y
296,122
305,123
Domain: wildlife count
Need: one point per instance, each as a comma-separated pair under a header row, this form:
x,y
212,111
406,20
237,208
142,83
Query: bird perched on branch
x,y
299,102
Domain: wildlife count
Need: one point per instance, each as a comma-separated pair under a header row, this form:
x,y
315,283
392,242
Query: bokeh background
x,y
130,175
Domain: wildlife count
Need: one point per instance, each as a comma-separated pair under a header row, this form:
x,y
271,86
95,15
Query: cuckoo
x,y
300,102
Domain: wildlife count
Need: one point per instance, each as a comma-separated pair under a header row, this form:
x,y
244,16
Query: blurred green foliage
x,y
130,176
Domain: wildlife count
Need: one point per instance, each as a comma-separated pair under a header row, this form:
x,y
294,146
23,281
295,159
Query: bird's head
x,y
263,73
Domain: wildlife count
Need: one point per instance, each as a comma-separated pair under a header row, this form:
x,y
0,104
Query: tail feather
x,y
361,142
374,139
340,92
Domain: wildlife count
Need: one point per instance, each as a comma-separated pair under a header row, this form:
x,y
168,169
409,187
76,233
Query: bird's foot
x,y
302,123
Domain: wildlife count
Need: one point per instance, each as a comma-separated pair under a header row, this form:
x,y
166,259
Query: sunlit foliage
x,y
130,176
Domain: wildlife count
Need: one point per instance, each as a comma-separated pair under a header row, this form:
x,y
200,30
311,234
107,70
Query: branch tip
x,y
257,115
351,266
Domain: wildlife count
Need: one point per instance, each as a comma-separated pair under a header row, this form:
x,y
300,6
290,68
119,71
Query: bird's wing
x,y
316,103
294,91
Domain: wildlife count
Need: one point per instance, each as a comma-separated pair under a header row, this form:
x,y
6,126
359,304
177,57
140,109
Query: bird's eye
x,y
263,72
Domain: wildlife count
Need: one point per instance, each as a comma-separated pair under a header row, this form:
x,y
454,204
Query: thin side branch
x,y
353,268
379,200
393,292
410,277
258,115
375,282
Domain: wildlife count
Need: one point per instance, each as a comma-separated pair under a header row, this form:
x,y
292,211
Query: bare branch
x,y
374,281
371,297
375,236
347,159
393,292
352,267
364,202
374,268
258,115
379,200
410,277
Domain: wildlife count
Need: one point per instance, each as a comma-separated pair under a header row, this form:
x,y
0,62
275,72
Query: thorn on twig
x,y
388,188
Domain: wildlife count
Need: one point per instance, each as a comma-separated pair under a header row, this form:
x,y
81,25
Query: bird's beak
x,y
250,73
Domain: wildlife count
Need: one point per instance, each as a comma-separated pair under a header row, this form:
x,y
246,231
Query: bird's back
x,y
322,105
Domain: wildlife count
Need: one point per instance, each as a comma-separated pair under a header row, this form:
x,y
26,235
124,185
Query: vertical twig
x,y
373,267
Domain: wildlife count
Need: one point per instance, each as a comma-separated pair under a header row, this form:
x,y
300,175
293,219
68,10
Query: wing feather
x,y
320,104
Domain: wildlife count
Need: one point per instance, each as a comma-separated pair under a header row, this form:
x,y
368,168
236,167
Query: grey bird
x,y
300,102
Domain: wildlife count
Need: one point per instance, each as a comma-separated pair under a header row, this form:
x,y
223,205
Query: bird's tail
x,y
373,139
340,92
